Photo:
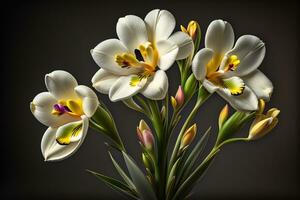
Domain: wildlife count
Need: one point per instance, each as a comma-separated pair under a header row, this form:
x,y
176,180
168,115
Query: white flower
x,y
232,72
66,109
137,61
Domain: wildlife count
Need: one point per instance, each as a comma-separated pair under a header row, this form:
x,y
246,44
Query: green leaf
x,y
114,184
190,161
142,185
122,173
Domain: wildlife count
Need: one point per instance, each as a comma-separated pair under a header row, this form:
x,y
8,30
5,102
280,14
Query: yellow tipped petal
x,y
223,115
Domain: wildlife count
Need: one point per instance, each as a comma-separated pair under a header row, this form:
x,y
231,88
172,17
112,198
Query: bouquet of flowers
x,y
133,70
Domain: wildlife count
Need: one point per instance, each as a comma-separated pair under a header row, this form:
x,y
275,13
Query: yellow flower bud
x,y
223,115
188,136
173,102
263,124
191,30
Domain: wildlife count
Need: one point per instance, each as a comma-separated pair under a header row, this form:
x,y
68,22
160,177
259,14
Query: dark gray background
x,y
39,37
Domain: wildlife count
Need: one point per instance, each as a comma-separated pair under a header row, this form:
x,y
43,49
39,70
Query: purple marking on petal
x,y
60,108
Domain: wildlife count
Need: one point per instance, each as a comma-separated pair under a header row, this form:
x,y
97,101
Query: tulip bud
x,y
145,136
263,124
188,136
223,115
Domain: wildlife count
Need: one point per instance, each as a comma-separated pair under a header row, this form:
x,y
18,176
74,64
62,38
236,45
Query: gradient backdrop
x,y
38,37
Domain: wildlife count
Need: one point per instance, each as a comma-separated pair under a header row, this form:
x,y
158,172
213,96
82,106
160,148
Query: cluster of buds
x,y
263,123
145,136
178,100
188,137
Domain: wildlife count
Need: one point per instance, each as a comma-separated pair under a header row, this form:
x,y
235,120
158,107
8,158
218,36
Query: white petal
x,y
209,86
89,99
104,55
103,80
260,84
61,84
244,102
160,24
219,36
167,54
250,50
41,107
123,89
53,151
184,43
157,87
200,62
132,31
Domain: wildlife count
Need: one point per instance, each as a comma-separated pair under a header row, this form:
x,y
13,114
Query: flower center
x,y
235,85
144,57
70,106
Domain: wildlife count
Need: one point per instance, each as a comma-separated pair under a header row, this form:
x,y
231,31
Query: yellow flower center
x,y
145,57
235,85
70,106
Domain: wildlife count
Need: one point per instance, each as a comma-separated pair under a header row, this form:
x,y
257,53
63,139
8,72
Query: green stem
x,y
202,97
181,192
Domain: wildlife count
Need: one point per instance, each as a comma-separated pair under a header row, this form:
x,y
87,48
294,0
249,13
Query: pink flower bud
x,y
179,96
148,140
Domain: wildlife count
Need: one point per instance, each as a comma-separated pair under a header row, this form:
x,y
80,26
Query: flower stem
x,y
202,97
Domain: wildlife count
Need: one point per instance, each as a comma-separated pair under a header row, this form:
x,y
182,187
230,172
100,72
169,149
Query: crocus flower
x,y
232,72
66,109
137,61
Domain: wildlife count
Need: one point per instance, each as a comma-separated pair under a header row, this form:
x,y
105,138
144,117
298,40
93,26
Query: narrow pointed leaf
x,y
190,161
140,181
122,173
114,184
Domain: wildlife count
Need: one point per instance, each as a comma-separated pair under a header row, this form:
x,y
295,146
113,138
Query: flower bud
x,y
147,162
163,112
263,124
179,96
223,116
145,136
191,29
173,102
188,136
